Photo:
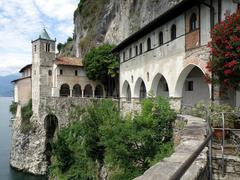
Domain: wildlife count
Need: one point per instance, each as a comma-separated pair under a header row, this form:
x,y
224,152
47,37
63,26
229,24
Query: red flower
x,y
228,72
231,64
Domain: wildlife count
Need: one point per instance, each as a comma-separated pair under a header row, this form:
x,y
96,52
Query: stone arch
x,y
88,91
64,90
160,86
191,86
50,125
98,91
126,91
140,89
77,91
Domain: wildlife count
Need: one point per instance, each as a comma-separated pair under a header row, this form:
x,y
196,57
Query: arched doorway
x,y
76,92
51,124
98,91
126,91
160,86
191,86
88,92
65,90
140,89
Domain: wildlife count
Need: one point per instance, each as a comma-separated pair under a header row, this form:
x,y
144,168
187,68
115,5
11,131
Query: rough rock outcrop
x,y
113,21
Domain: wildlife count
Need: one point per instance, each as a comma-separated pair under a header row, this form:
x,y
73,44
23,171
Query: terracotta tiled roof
x,y
69,61
25,67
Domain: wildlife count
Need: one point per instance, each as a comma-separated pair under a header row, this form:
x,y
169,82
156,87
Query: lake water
x,y
6,172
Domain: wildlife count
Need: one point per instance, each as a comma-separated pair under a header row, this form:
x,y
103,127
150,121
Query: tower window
x,y
140,48
130,53
47,47
149,44
160,36
189,86
50,72
76,72
61,72
173,32
124,56
193,22
35,48
136,50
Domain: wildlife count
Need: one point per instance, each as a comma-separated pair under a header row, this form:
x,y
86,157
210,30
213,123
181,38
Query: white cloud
x,y
22,21
58,9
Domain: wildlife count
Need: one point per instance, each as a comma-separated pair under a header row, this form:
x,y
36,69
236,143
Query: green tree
x,y
102,65
134,144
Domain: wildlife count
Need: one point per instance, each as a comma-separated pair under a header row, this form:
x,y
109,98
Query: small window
x,y
136,50
147,76
132,79
76,72
193,22
130,53
35,48
50,72
47,47
149,44
160,38
140,48
61,72
124,56
189,86
173,32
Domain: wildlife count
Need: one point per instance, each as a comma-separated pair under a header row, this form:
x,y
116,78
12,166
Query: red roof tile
x,y
69,61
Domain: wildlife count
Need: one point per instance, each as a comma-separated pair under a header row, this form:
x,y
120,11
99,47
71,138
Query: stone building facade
x,y
51,76
168,56
55,85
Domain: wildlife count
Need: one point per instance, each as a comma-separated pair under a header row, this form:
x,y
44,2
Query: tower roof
x,y
44,35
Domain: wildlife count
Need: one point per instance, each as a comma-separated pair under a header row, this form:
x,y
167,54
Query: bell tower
x,y
43,56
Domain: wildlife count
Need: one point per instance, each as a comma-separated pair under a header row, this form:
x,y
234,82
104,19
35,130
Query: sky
x,y
21,21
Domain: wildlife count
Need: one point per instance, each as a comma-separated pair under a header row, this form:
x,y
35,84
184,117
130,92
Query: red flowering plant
x,y
225,52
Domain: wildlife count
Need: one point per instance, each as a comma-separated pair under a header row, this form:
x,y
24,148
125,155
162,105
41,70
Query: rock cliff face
x,y
112,20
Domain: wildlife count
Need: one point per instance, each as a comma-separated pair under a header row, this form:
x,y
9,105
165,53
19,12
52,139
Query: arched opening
x,y
173,32
76,92
126,91
51,124
98,91
88,92
191,86
160,38
160,86
140,89
193,22
149,44
65,90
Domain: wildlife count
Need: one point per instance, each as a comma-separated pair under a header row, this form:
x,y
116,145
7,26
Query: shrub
x,y
225,51
214,111
125,146
13,108
26,113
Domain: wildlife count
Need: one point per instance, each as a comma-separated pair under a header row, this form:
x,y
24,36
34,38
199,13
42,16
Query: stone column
x,y
176,103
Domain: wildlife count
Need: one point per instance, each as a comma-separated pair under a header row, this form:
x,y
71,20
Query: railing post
x,y
209,144
222,146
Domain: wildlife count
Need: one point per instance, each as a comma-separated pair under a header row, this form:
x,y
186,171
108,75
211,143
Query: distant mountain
x,y
6,88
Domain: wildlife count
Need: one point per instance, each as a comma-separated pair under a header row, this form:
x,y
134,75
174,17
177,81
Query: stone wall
x,y
191,137
28,150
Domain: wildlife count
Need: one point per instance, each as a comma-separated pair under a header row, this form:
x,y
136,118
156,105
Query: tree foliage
x,y
100,64
225,51
126,146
